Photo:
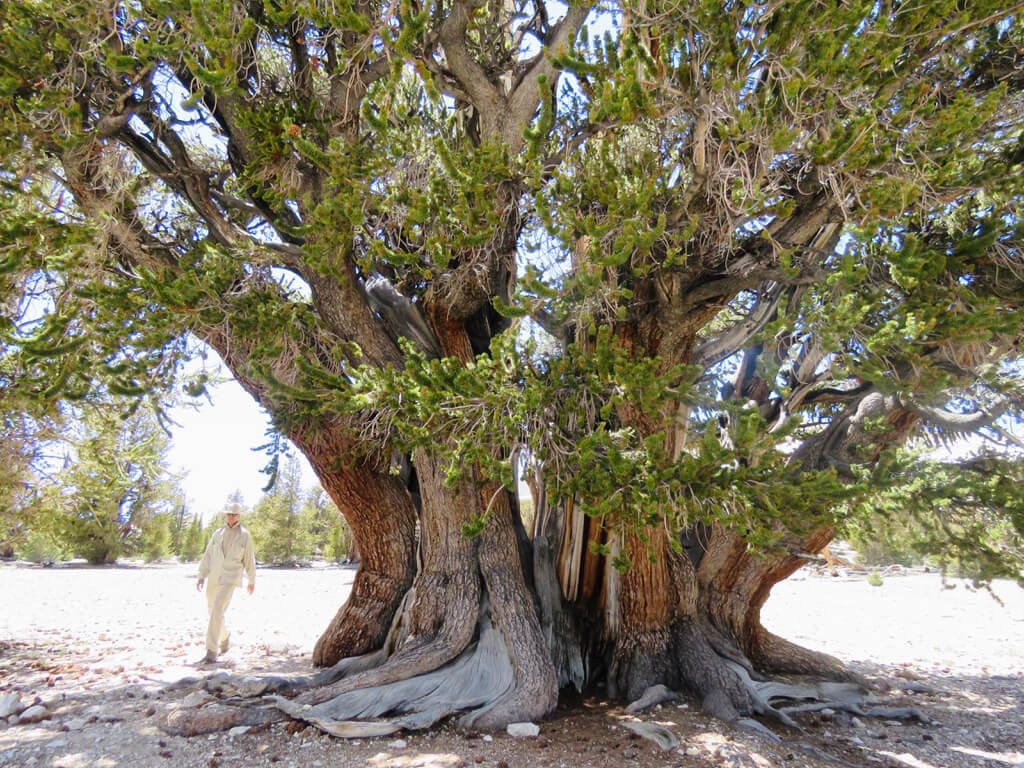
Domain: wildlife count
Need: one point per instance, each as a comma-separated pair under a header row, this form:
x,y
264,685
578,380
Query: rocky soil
x,y
89,656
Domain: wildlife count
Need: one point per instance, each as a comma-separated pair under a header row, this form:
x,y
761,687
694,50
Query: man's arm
x,y
250,561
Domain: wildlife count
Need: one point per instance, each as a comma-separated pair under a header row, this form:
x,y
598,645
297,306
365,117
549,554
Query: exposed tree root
x,y
356,628
656,694
250,687
731,691
415,655
475,681
226,685
481,680
217,717
778,655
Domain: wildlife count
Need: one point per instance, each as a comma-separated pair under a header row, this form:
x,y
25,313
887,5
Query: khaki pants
x,y
218,597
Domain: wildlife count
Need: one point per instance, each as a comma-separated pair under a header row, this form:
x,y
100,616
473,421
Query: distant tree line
x,y
93,483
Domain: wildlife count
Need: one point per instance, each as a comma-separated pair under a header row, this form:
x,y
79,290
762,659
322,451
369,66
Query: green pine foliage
x,y
281,522
329,532
112,496
180,518
339,543
192,546
156,538
965,518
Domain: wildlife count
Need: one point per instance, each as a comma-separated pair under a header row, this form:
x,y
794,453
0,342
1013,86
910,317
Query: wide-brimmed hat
x,y
234,509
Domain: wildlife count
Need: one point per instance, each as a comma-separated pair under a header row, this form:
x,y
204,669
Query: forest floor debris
x,y
96,649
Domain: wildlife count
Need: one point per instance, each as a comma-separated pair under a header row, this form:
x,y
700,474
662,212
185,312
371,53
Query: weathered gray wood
x,y
654,695
473,681
556,622
659,734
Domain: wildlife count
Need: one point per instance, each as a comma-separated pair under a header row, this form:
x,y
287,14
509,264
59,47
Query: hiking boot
x,y
226,644
209,658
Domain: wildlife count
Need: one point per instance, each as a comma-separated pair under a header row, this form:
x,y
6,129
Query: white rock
x,y
196,699
398,744
56,743
857,722
34,714
9,704
692,752
488,738
76,723
527,730
238,730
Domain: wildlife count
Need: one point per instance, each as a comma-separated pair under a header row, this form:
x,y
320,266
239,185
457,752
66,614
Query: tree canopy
x,y
702,266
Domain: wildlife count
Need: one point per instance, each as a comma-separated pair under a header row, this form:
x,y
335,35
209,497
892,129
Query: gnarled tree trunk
x,y
466,637
383,521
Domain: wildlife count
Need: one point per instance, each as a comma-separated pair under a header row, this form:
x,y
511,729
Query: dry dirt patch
x,y
98,646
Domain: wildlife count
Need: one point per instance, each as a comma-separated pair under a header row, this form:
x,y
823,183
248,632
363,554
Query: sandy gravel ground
x,y
97,647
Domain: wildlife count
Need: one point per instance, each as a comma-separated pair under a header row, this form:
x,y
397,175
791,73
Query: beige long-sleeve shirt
x,y
229,553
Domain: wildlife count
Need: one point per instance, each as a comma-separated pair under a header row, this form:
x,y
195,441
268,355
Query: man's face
x,y
233,519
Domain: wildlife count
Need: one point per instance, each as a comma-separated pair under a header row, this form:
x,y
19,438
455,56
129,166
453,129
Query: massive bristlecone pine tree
x,y
700,267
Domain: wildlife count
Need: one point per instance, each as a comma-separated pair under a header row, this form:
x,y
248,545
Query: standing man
x,y
229,552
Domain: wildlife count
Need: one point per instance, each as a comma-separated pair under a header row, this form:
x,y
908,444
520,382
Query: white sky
x,y
213,445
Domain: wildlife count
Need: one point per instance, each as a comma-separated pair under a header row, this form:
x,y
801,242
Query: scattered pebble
x,y
10,704
523,730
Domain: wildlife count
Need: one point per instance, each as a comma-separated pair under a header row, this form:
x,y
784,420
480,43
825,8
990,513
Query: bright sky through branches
x,y
213,446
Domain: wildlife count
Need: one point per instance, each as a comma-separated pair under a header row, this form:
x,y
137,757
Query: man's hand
x,y
252,586
199,585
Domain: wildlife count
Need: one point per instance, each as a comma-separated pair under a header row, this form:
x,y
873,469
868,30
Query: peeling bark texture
x,y
660,639
490,628
440,613
475,680
671,625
